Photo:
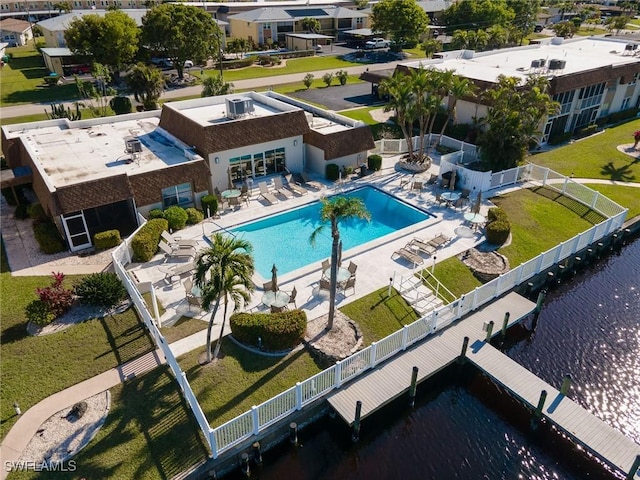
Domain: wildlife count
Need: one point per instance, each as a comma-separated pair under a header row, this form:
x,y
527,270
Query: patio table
x,y
275,299
232,193
475,219
451,196
343,274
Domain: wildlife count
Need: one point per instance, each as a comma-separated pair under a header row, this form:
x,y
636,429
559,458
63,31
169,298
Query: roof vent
x,y
239,107
535,63
132,145
556,64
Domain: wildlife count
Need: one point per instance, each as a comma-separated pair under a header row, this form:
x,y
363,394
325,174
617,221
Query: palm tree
x,y
146,83
223,272
335,210
460,87
214,85
398,89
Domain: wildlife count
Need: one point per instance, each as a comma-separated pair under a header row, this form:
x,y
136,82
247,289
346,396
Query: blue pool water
x,y
283,239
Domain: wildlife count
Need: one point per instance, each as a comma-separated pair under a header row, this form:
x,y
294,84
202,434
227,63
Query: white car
x,y
377,43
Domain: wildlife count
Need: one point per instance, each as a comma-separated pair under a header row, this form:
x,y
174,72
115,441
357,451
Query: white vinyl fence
x,y
394,146
262,416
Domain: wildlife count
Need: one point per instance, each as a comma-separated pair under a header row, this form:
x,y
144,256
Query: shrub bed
x,y
332,172
48,237
177,217
103,289
278,331
499,227
145,243
194,216
107,239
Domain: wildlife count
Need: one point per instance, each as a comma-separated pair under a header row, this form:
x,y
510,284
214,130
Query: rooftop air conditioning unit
x,y
239,107
556,64
132,145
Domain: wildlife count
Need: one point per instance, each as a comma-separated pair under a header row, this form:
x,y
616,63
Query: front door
x,y
77,232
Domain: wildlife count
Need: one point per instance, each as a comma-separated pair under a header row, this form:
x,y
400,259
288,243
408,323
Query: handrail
x,y
452,298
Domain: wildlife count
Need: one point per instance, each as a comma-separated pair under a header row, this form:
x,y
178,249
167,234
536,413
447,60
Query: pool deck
x,y
375,265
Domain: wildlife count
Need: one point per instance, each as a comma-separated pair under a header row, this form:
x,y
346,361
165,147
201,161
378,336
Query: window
x,y
565,99
625,103
240,168
266,26
181,195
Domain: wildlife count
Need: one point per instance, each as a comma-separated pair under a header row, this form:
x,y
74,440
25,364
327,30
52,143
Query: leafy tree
x,y
146,84
223,273
327,78
63,7
361,4
400,20
181,32
474,14
565,29
96,94
308,80
525,16
238,45
335,210
496,37
617,24
214,85
515,114
460,87
431,46
469,39
342,77
111,40
120,105
310,24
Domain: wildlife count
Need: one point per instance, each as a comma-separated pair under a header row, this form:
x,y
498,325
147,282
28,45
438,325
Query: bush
x,y
209,205
177,217
194,216
37,213
156,213
48,237
342,77
38,313
57,298
51,81
559,138
145,242
22,211
496,213
278,331
120,105
103,289
106,239
332,172
498,231
327,78
374,162
308,80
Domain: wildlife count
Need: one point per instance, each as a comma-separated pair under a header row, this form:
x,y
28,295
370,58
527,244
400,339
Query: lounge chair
x,y
422,246
279,187
180,252
294,187
439,240
177,242
312,183
407,254
178,270
266,194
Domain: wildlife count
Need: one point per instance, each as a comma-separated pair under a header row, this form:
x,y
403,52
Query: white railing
x,y
395,146
254,421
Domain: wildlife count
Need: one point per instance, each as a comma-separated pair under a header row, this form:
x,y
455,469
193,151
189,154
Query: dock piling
x,y
550,279
576,262
489,332
562,269
355,435
414,386
463,353
244,464
537,413
293,433
566,385
257,453
541,297
505,324
634,468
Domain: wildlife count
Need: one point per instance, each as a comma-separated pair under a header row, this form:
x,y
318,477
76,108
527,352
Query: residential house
x,y
97,174
15,32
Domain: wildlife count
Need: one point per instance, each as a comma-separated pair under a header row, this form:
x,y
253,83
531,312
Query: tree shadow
x,y
127,341
619,174
578,208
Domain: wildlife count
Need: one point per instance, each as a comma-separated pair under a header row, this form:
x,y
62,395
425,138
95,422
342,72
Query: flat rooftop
x,y
74,152
581,54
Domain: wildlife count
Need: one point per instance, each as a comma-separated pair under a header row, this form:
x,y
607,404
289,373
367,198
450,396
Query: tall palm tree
x,y
460,87
223,273
398,89
335,210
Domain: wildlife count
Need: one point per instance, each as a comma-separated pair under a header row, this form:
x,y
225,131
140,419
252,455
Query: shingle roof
x,y
14,25
96,193
342,143
275,14
62,22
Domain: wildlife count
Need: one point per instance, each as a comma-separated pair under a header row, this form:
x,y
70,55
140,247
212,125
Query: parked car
x,y
538,28
377,43
188,63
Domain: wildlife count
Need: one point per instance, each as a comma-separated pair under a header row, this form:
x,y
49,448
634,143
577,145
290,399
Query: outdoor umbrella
x,y
274,278
452,183
476,205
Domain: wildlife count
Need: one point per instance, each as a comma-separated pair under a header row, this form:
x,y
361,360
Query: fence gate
x,y
77,232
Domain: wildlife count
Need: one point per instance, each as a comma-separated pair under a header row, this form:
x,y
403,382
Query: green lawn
x,y
184,327
362,114
149,433
35,367
628,197
596,156
456,276
22,80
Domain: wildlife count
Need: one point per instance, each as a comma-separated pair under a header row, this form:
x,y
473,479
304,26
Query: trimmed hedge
x,y
48,237
156,213
102,289
278,331
177,217
107,239
210,203
374,162
194,216
332,172
145,243
498,231
496,213
37,213
120,105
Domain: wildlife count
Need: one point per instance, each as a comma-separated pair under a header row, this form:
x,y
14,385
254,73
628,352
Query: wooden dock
x,y
393,377
584,428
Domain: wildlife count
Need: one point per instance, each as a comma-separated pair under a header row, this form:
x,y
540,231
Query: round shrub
x,y
194,216
332,172
177,217
103,289
278,331
496,213
38,313
107,239
22,212
145,242
374,162
48,237
156,213
120,105
209,204
498,231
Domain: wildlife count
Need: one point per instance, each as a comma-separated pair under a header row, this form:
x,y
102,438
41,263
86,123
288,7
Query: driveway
x,y
339,97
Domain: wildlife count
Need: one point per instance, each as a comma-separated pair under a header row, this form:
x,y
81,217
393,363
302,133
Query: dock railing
x,y
260,417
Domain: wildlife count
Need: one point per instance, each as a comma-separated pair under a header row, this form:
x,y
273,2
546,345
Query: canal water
x,y
462,427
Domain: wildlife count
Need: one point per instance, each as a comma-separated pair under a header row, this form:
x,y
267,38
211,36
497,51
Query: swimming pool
x,y
283,239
